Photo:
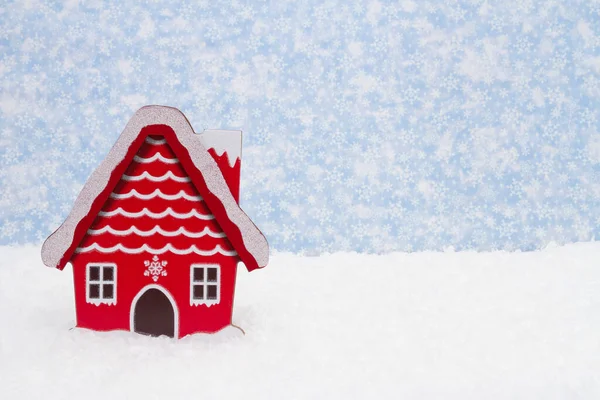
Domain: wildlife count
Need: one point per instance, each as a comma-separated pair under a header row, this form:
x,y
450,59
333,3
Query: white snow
x,y
342,326
223,141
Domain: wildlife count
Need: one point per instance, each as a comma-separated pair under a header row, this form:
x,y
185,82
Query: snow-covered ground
x,y
342,326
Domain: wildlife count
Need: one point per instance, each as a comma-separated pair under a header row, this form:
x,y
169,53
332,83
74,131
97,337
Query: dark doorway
x,y
154,314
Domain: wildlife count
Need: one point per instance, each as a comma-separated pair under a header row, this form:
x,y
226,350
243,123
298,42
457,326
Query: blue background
x,y
368,126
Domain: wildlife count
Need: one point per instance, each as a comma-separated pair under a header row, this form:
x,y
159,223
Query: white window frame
x,y
205,283
100,281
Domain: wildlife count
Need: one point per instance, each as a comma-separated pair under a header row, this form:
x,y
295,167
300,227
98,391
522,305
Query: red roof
x,y
194,203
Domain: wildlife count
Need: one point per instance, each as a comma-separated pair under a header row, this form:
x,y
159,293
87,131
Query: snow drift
x,y
342,326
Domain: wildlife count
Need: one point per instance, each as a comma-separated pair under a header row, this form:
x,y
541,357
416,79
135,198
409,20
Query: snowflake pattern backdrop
x,y
368,126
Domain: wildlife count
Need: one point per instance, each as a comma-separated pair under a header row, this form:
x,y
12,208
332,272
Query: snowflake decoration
x,y
155,268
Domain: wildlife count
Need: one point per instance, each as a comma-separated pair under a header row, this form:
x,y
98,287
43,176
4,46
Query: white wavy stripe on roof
x,y
162,178
157,193
145,248
156,229
156,156
147,213
155,142
56,246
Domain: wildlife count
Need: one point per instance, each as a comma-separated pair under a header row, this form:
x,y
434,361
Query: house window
x,y
101,283
205,284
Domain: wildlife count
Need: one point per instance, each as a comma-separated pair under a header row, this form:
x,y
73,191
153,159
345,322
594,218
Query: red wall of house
x,y
135,205
131,280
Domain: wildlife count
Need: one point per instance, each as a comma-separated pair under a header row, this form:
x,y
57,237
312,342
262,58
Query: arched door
x,y
153,314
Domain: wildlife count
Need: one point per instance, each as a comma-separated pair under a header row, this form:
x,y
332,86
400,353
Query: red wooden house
x,y
156,233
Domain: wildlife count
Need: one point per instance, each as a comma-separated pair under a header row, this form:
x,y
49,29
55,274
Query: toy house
x,y
155,235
